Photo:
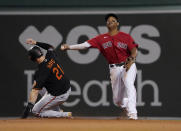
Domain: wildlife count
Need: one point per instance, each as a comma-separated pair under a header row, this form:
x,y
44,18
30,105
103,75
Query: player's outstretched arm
x,y
40,44
82,46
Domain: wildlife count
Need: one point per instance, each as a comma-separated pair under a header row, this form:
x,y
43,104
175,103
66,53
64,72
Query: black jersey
x,y
51,76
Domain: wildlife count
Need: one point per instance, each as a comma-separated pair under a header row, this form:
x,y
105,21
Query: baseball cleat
x,y
123,114
132,117
69,114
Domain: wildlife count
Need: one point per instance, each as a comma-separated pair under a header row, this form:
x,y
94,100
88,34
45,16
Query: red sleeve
x,y
94,42
132,44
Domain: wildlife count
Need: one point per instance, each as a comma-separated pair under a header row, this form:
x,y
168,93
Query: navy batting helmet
x,y
34,53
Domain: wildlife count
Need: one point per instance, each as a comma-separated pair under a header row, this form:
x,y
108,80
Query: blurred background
x,y
155,25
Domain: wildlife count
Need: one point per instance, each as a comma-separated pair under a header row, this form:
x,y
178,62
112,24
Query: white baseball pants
x,y
124,92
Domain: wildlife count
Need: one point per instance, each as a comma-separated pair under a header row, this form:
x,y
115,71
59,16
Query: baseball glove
x,y
27,110
129,61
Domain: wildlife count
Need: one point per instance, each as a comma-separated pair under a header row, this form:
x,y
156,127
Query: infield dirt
x,y
77,124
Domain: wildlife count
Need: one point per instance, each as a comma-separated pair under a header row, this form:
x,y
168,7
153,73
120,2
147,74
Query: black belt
x,y
117,65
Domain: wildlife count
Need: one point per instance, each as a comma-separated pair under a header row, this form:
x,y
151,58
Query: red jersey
x,y
114,48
